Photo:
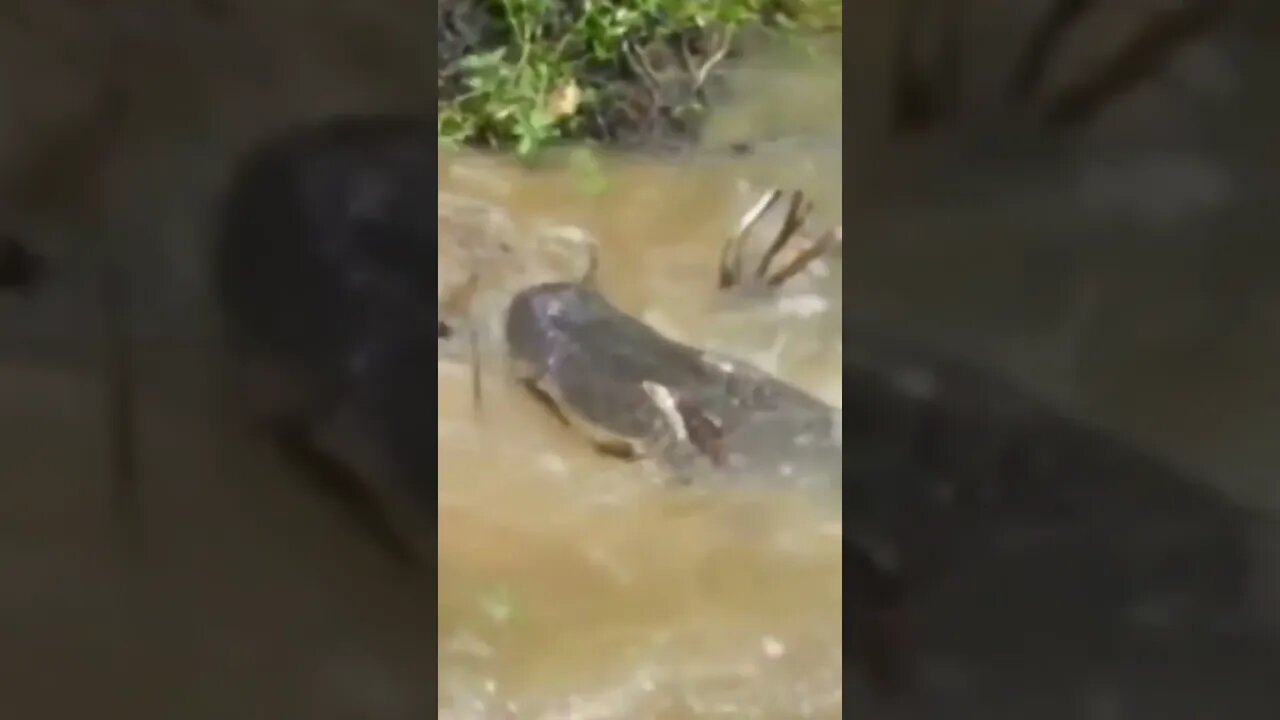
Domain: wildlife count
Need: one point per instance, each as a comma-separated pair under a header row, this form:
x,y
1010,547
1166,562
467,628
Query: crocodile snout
x,y
540,319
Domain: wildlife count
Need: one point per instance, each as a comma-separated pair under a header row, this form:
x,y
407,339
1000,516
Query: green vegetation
x,y
612,70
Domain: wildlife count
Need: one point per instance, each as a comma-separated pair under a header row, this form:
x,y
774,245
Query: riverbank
x,y
520,75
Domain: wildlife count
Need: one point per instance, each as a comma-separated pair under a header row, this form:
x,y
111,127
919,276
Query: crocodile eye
x,y
443,331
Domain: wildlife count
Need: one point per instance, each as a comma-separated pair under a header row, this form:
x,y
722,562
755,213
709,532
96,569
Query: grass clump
x,y
520,74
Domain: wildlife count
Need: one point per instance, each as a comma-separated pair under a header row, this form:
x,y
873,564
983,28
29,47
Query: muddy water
x,y
577,585
1113,271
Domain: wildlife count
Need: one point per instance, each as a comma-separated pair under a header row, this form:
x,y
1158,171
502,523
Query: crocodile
x,y
637,393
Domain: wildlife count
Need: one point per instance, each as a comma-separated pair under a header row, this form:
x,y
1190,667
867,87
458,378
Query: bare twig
x,y
731,252
825,242
642,68
700,72
797,212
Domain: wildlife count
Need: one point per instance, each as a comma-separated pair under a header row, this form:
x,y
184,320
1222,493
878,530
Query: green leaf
x,y
480,61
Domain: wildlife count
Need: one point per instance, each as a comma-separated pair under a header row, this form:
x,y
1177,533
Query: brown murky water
x,y
573,585
1093,270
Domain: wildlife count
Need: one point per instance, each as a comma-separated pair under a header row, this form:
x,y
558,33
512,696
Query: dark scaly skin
x,y
599,367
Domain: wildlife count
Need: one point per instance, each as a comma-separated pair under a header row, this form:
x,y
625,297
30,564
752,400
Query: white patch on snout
x,y
554,307
666,404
